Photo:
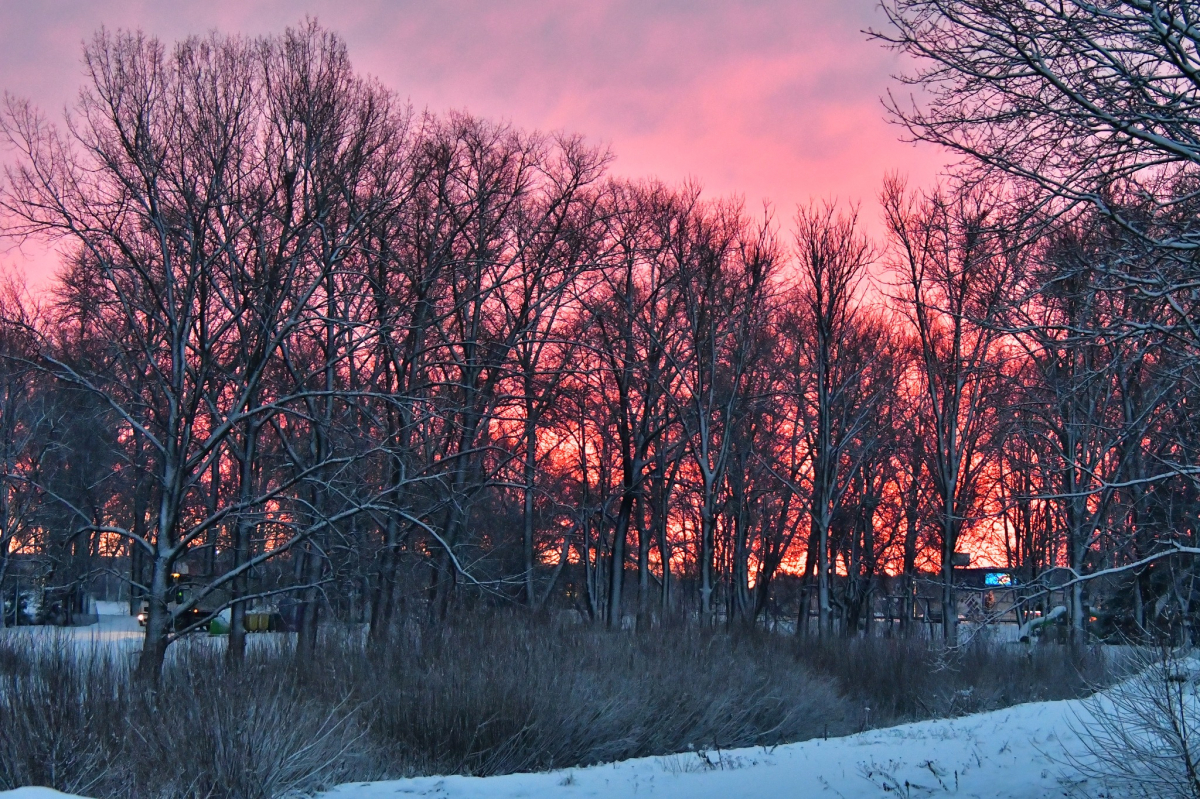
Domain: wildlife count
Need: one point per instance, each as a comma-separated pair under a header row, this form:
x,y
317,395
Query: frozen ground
x,y
1006,754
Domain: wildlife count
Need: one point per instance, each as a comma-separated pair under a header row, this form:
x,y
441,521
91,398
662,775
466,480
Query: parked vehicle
x,y
182,588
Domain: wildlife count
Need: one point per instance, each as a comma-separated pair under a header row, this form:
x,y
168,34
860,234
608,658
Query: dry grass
x,y
496,698
903,680
484,696
76,720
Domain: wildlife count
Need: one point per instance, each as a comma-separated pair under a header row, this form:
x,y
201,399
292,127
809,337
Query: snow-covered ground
x,y
115,626
1005,754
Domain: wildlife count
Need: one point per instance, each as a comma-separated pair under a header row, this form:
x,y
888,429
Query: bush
x,y
1153,719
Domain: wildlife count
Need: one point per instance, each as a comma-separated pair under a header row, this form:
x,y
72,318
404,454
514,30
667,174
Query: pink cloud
x,y
775,99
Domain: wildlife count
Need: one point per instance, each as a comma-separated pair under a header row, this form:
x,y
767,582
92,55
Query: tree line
x,y
329,351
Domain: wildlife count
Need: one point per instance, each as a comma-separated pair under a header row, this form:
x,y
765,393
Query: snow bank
x,y
36,793
1009,754
112,608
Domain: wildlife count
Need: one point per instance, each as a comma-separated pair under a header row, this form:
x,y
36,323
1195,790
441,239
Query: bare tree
x,y
953,258
21,412
165,155
726,274
633,311
1081,103
1090,391
838,351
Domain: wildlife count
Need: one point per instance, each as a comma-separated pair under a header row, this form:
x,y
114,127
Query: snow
x,y
1016,753
104,608
114,627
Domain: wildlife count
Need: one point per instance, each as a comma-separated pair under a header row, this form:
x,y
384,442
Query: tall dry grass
x,y
482,696
911,679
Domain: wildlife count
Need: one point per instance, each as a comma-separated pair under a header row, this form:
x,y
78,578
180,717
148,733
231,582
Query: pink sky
x,y
772,100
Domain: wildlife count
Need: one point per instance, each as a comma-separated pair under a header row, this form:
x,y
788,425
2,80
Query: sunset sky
x,y
776,100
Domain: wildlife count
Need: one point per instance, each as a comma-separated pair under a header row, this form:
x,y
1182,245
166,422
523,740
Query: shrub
x,y
1152,719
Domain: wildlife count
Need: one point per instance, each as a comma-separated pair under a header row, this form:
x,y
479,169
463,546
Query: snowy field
x,y
1008,754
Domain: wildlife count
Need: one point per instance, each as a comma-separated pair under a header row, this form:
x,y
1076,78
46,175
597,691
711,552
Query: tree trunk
x,y
643,606
241,548
824,614
529,477
616,574
949,606
706,566
908,581
306,639
158,625
383,604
